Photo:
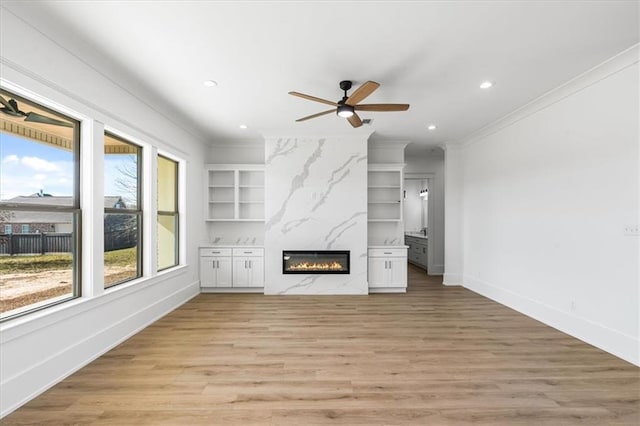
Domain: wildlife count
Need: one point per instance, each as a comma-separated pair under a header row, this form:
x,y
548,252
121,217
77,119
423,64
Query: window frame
x,y
74,210
175,214
138,211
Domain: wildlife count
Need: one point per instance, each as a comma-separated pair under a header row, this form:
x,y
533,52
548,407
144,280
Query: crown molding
x,y
611,66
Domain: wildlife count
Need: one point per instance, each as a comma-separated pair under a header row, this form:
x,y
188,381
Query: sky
x,y
26,167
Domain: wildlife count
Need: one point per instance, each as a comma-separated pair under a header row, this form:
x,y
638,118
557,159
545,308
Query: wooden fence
x,y
34,244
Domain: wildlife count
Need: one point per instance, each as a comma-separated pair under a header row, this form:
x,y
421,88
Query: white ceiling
x,y
432,55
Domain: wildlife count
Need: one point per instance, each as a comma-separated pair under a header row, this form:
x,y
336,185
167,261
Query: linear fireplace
x,y
315,262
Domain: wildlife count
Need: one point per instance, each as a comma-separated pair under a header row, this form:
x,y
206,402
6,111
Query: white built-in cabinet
x,y
234,192
248,267
387,269
231,268
215,268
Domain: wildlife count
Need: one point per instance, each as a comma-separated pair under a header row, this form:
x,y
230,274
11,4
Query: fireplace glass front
x,y
315,262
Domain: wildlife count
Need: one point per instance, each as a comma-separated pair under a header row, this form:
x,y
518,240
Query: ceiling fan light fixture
x,y
345,111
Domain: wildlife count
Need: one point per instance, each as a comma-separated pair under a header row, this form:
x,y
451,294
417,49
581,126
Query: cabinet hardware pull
x,y
387,252
215,252
250,264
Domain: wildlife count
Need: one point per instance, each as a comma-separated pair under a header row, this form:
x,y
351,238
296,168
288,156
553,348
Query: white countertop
x,y
212,245
416,235
388,246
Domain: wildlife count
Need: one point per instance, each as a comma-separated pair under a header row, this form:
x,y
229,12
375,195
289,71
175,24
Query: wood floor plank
x,y
435,355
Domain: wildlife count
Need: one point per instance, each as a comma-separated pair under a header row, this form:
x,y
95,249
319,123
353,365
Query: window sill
x,y
31,322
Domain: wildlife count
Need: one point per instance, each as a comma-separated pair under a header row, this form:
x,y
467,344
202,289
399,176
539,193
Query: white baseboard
x,y
598,335
452,279
436,270
258,290
19,389
388,290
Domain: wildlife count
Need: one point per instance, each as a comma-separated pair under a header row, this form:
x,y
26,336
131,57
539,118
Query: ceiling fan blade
x,y
38,118
313,98
362,92
7,105
381,107
309,117
354,120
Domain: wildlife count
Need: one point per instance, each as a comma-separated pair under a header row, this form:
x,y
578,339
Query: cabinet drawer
x,y
390,252
215,252
253,252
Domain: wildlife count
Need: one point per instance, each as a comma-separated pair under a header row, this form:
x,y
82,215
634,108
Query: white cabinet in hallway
x,y
248,268
231,268
418,249
388,269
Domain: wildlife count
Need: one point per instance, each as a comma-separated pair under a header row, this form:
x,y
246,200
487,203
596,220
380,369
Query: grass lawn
x,y
49,262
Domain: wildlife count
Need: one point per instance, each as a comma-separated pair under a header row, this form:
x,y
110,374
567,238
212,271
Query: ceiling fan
x,y
10,107
348,105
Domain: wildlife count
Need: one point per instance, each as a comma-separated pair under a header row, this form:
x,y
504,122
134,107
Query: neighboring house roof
x,y
17,216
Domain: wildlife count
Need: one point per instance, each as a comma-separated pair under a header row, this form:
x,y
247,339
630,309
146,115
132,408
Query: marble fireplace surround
x,y
316,199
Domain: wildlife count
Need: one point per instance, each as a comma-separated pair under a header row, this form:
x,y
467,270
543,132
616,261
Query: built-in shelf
x,y
384,193
235,193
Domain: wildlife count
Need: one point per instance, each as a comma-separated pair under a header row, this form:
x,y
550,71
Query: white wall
x,y
316,199
236,152
39,349
430,161
547,195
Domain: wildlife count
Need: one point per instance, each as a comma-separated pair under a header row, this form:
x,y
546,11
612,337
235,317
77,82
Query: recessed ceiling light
x,y
486,84
210,83
431,127
243,126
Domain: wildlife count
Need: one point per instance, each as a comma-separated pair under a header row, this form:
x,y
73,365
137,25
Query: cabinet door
x,y
397,272
256,272
240,272
423,256
248,272
223,272
378,272
207,272
215,272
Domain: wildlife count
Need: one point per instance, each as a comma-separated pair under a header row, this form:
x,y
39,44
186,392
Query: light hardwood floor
x,y
434,356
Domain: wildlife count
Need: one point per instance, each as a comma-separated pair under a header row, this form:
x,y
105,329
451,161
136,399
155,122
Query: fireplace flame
x,y
307,266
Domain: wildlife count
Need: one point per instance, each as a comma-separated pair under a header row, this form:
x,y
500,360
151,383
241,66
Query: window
x,y
167,213
39,185
8,229
123,213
